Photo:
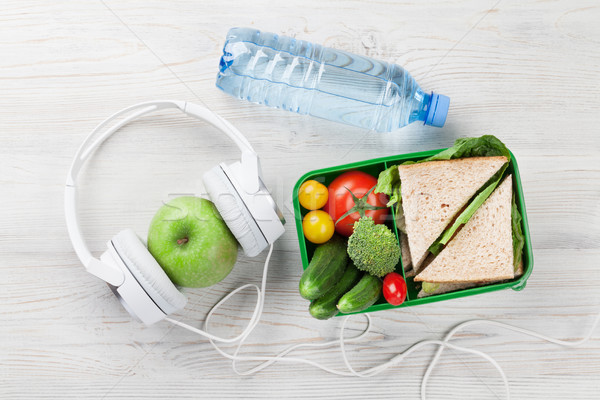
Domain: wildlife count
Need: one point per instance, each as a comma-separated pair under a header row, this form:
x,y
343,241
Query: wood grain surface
x,y
526,71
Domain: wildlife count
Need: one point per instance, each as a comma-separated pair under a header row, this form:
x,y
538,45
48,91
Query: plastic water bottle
x,y
307,78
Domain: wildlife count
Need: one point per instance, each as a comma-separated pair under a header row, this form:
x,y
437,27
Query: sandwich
x,y
458,223
486,250
433,193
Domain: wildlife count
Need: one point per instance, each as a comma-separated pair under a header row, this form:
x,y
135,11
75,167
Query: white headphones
x,y
252,216
237,191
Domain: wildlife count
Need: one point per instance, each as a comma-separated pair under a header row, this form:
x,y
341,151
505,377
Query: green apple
x,y
191,242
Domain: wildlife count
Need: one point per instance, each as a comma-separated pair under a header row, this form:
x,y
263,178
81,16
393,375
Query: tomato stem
x,y
360,204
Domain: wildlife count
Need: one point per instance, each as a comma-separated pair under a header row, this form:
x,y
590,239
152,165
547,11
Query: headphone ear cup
x,y
148,272
233,211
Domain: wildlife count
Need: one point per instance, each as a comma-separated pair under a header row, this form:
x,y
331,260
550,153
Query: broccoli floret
x,y
373,248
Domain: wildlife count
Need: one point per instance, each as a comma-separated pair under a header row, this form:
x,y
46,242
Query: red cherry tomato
x,y
394,288
340,200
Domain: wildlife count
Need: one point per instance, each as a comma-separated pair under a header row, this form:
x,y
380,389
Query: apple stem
x,y
182,241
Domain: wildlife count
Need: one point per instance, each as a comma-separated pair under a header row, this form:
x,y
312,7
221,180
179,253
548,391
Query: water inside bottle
x,y
323,82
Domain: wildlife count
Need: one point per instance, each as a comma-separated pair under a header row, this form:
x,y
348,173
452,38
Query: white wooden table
x,y
528,72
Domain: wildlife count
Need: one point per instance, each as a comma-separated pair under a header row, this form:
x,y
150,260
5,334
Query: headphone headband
x,y
194,110
250,171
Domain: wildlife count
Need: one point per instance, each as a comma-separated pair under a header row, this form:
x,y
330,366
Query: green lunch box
x,y
374,167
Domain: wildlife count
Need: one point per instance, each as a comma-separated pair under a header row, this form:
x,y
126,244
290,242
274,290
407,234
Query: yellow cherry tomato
x,y
318,227
313,195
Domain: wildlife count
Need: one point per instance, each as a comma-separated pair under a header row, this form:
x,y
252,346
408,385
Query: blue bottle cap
x,y
438,110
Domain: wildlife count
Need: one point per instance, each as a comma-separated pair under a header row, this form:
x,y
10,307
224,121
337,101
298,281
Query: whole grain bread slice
x,y
440,288
482,250
405,252
434,192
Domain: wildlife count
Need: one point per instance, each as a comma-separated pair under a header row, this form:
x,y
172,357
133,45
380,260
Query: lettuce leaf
x,y
388,183
483,146
517,234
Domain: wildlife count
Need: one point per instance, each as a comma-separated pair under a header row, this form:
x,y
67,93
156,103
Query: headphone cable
x,y
342,340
